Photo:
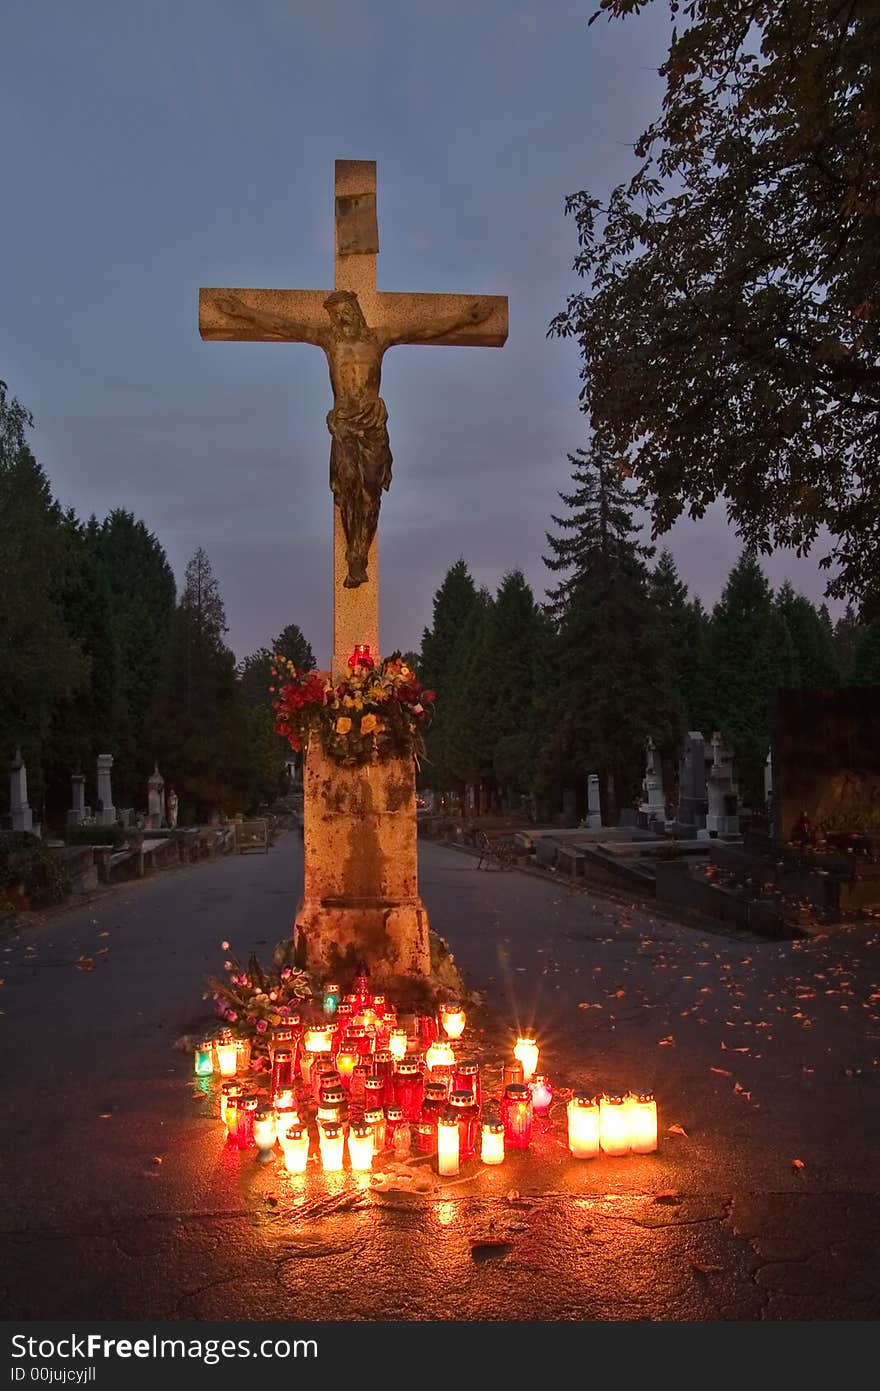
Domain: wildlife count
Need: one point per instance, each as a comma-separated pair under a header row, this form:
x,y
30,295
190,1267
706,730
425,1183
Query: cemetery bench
x,y
498,852
252,835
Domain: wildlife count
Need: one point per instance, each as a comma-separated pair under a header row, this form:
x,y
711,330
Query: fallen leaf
x,y
667,1042
797,1164
721,1071
677,1130
84,963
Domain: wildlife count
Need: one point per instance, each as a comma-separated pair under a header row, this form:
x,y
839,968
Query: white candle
x,y
447,1145
493,1143
360,1146
526,1052
614,1125
642,1122
439,1054
583,1126
295,1147
452,1020
397,1043
227,1059
332,1139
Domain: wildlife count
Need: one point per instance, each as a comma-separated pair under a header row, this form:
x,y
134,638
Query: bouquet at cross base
x,y
254,999
377,712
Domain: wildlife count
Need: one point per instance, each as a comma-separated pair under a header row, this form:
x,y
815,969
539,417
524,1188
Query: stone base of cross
x,y
361,902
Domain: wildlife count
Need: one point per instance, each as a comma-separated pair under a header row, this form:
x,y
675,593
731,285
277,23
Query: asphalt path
x,y
119,1200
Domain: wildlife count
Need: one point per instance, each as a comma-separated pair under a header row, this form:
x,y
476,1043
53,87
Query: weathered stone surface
x,y
361,896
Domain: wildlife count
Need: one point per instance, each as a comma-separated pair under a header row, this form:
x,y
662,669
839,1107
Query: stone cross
x,y
354,324
19,806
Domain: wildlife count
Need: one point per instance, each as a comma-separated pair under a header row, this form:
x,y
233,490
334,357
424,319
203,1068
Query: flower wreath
x,y
378,712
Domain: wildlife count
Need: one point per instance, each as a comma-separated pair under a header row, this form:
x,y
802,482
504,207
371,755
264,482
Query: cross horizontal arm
x,y
463,321
263,316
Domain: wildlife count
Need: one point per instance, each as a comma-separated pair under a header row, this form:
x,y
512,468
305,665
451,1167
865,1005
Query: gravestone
x,y
594,803
155,790
768,780
361,900
20,811
77,813
693,802
722,817
107,811
653,807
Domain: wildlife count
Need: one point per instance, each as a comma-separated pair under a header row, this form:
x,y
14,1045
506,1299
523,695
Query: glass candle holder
x,y
542,1094
230,1117
425,1130
360,1146
204,1058
227,1089
492,1151
516,1113
409,1088
374,1092
323,1072
357,1090
330,1003
346,1060
439,1054
435,1098
331,1139
397,1044
282,1070
245,1111
243,1054
428,1029
444,1074
294,1144
447,1144
280,1037
642,1122
511,1073
343,1016
265,1133
361,1039
393,1118
613,1125
452,1020
286,1114
526,1051
361,988
331,1104
583,1126
383,1066
374,1117
466,1076
318,1038
468,1114
402,1139
227,1058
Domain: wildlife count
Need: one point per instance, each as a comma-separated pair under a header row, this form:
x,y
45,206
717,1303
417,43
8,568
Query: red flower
x,y
429,695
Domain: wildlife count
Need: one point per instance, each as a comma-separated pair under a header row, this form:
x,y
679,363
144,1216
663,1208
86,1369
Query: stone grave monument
x,y
692,790
653,807
594,803
20,812
155,801
722,818
106,811
361,900
77,813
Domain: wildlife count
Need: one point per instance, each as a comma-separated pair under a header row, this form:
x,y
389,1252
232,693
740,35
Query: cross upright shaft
x,y
354,330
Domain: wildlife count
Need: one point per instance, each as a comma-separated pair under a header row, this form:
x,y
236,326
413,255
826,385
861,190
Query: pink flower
x,y
224,946
286,973
231,1015
262,1026
252,1019
273,994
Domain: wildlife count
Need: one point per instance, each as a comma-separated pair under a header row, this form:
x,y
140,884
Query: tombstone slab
x,y
107,812
77,813
594,803
20,811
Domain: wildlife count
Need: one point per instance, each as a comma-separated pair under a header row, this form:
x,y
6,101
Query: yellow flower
x,y
343,724
376,693
369,724
348,702
358,703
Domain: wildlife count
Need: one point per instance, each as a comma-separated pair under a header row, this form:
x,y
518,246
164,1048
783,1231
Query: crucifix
x,y
354,324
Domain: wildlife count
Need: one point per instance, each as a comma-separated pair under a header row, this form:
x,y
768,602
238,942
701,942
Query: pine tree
x,y
866,658
41,658
255,671
751,655
469,730
846,637
606,644
453,602
516,673
815,661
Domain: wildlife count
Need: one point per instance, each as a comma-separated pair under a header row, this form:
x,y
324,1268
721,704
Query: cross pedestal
x,y
361,901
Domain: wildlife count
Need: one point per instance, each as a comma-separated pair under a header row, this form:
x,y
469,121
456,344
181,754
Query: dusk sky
x,y
150,148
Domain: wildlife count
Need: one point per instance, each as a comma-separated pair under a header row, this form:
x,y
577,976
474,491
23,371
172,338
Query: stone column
x,y
76,815
361,896
594,803
107,813
19,807
155,799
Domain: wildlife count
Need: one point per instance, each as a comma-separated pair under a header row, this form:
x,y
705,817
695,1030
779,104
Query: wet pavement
x,y
120,1200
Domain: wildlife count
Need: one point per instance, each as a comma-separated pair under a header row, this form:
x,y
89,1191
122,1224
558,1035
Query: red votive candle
x,y
466,1076
393,1118
425,1129
409,1088
516,1113
374,1092
346,1060
357,1089
468,1115
282,1070
246,1111
428,1029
